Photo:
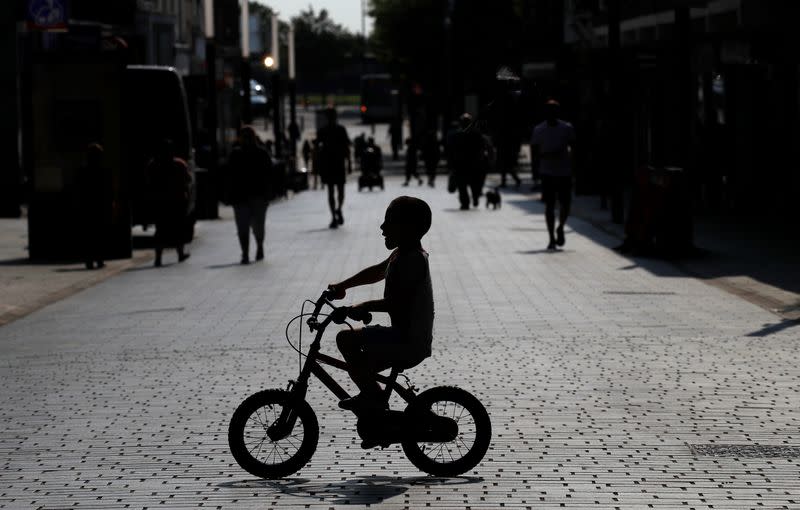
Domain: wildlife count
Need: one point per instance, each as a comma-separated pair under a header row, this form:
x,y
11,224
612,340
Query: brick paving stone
x,y
598,372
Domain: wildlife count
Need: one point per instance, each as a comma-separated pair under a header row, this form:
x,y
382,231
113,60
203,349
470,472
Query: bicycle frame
x,y
283,426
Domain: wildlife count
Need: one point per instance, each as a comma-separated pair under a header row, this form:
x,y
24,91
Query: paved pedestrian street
x,y
611,382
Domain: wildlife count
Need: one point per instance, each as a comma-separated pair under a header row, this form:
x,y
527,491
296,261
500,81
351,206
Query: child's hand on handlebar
x,y
358,313
336,291
355,312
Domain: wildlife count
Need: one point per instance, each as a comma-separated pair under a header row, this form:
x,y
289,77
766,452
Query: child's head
x,y
407,220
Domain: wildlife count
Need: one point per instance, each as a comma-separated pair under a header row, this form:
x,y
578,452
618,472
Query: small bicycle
x,y
444,431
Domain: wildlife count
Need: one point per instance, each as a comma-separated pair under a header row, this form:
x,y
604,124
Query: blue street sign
x,y
47,14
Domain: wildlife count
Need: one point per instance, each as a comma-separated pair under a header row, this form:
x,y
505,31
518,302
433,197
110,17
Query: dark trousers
x,y
556,188
430,169
250,215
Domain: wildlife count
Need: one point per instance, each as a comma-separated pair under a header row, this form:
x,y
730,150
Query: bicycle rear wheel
x,y
465,451
259,455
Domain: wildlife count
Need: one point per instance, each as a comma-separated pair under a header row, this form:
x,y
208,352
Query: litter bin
x,y
279,178
672,221
298,180
206,205
660,216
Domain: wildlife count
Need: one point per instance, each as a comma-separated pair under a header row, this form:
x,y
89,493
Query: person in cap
x,y
552,145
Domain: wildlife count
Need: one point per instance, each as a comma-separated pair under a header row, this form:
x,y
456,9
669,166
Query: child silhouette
x,y
407,297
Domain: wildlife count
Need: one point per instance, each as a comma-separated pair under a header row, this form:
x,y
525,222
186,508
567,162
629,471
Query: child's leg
x,y
351,345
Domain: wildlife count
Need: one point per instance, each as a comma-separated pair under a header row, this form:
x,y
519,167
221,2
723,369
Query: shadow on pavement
x,y
24,261
526,229
151,266
317,230
769,329
543,251
225,266
366,490
730,253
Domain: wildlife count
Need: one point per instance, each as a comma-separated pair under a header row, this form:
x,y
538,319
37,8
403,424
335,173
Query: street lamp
x,y
247,117
276,92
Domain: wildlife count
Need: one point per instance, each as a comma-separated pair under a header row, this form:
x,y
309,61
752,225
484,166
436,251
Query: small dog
x,y
493,198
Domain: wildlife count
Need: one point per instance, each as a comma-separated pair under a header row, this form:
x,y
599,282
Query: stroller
x,y
371,163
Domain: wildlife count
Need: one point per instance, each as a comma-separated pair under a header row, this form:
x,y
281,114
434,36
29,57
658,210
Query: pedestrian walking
x,y
249,172
505,127
396,136
359,145
431,153
411,162
306,151
484,165
552,145
96,203
315,163
169,183
464,153
334,153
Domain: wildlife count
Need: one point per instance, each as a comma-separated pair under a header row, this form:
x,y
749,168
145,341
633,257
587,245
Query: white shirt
x,y
554,139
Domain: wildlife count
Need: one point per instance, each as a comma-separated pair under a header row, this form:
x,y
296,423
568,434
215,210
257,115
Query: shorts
x,y
385,348
555,186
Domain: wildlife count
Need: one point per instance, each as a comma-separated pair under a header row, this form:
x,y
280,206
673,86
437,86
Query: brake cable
x,y
299,348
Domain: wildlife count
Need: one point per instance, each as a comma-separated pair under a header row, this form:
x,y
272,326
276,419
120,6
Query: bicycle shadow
x,y
365,490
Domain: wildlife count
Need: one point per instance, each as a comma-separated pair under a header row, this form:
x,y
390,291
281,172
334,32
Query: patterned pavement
x,y
608,379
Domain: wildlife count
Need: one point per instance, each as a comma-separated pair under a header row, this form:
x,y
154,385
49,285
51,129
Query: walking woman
x,y
249,170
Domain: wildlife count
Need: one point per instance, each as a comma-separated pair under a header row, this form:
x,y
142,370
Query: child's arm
x,y
372,274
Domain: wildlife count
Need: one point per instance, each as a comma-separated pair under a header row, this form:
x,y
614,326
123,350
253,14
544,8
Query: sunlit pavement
x,y
606,378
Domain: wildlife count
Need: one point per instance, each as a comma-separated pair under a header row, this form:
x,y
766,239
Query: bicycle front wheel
x,y
466,449
259,455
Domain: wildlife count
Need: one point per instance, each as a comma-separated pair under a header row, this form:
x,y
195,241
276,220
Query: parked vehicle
x,y
154,108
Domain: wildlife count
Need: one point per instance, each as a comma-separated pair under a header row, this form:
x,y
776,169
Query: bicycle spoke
x,y
448,452
291,443
255,441
460,454
461,413
439,450
271,452
260,445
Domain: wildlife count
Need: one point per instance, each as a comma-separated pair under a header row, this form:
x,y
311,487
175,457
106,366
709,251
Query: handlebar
x,y
325,299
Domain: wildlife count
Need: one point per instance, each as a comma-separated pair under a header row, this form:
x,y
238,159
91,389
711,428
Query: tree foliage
x,y
324,49
424,39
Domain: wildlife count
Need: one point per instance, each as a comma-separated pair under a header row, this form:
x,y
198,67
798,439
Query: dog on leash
x,y
493,198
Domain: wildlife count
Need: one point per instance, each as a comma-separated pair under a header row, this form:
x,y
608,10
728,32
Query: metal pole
x,y
211,78
293,129
277,94
9,170
615,82
276,54
685,81
247,116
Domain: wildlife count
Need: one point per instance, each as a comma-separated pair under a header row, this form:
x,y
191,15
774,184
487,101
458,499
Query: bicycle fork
x,y
285,423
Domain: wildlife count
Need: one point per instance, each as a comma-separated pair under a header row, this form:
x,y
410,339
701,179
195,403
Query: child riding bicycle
x,y
407,297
